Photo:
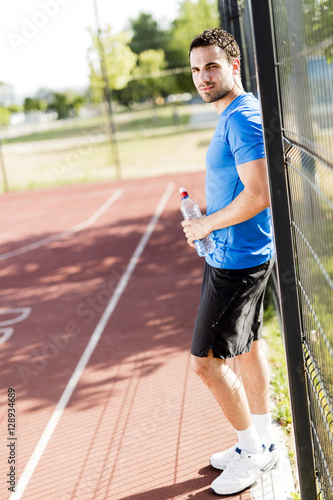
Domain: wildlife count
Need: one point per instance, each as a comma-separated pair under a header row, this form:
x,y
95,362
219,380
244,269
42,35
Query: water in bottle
x,y
190,210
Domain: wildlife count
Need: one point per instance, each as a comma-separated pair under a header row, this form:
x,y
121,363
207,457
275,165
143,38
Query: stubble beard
x,y
215,94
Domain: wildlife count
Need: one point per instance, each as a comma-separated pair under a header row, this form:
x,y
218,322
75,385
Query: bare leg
x,y
255,376
226,387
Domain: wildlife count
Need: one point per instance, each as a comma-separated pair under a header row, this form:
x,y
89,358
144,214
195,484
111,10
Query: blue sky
x,y
44,42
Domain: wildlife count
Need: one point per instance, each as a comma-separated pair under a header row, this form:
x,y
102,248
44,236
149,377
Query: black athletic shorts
x,y
230,313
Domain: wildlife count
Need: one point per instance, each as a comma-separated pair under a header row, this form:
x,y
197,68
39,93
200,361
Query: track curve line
x,y
75,229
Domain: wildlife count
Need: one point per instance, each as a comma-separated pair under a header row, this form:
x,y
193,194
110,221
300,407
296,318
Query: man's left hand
x,y
195,229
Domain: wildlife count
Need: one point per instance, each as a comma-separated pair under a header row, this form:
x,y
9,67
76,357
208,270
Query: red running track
x,y
98,302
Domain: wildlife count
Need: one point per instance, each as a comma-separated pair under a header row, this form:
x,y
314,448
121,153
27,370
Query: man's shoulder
x,y
244,105
246,110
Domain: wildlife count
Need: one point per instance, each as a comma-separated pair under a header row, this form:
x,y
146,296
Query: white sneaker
x,y
221,459
242,470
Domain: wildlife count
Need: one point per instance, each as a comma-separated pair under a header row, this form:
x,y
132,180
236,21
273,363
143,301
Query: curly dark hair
x,y
220,38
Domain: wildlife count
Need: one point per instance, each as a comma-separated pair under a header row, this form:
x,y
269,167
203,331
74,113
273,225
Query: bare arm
x,y
253,199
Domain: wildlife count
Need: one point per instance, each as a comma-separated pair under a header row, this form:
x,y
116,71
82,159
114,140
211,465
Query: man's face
x,y
212,74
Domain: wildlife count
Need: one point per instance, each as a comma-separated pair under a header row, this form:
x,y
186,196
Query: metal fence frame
x,y
285,249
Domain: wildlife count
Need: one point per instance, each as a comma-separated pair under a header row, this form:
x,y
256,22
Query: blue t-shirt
x,y
237,139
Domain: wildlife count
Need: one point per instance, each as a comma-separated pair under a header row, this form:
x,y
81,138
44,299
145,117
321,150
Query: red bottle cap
x,y
183,193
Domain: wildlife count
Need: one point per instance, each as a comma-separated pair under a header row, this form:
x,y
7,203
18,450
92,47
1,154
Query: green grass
x,y
279,381
72,128
149,144
159,118
281,409
129,121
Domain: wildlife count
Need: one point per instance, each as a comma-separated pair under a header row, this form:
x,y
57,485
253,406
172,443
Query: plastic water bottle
x,y
190,210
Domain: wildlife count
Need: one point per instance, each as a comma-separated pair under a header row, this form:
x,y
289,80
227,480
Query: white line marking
x,y
23,313
74,229
94,339
5,334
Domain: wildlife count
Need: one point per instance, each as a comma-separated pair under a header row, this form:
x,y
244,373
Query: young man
x,y
229,320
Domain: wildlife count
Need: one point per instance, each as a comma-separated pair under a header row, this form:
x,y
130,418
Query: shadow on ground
x,y
68,287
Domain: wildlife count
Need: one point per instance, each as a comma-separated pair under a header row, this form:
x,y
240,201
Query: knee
x,y
202,367
199,365
210,369
253,356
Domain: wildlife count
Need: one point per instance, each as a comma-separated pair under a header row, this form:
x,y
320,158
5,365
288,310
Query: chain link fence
x,y
304,53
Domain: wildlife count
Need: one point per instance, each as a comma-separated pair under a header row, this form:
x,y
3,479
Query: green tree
x,y
146,34
119,62
193,17
4,116
34,104
60,104
76,103
147,81
318,19
15,108
66,104
151,63
158,50
45,94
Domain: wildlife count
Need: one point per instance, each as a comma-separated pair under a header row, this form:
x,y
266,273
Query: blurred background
x,y
90,91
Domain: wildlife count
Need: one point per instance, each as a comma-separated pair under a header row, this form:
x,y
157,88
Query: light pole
x,y
3,169
108,94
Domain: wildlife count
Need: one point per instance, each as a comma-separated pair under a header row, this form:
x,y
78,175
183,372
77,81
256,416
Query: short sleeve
x,y
244,135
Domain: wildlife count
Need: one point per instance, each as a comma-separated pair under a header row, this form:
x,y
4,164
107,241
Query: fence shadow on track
x,y
181,488
73,280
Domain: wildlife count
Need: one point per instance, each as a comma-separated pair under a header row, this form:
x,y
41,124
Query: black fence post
x,y
292,331
230,19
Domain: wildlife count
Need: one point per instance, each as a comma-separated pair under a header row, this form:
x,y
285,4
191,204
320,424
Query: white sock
x,y
263,425
249,440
